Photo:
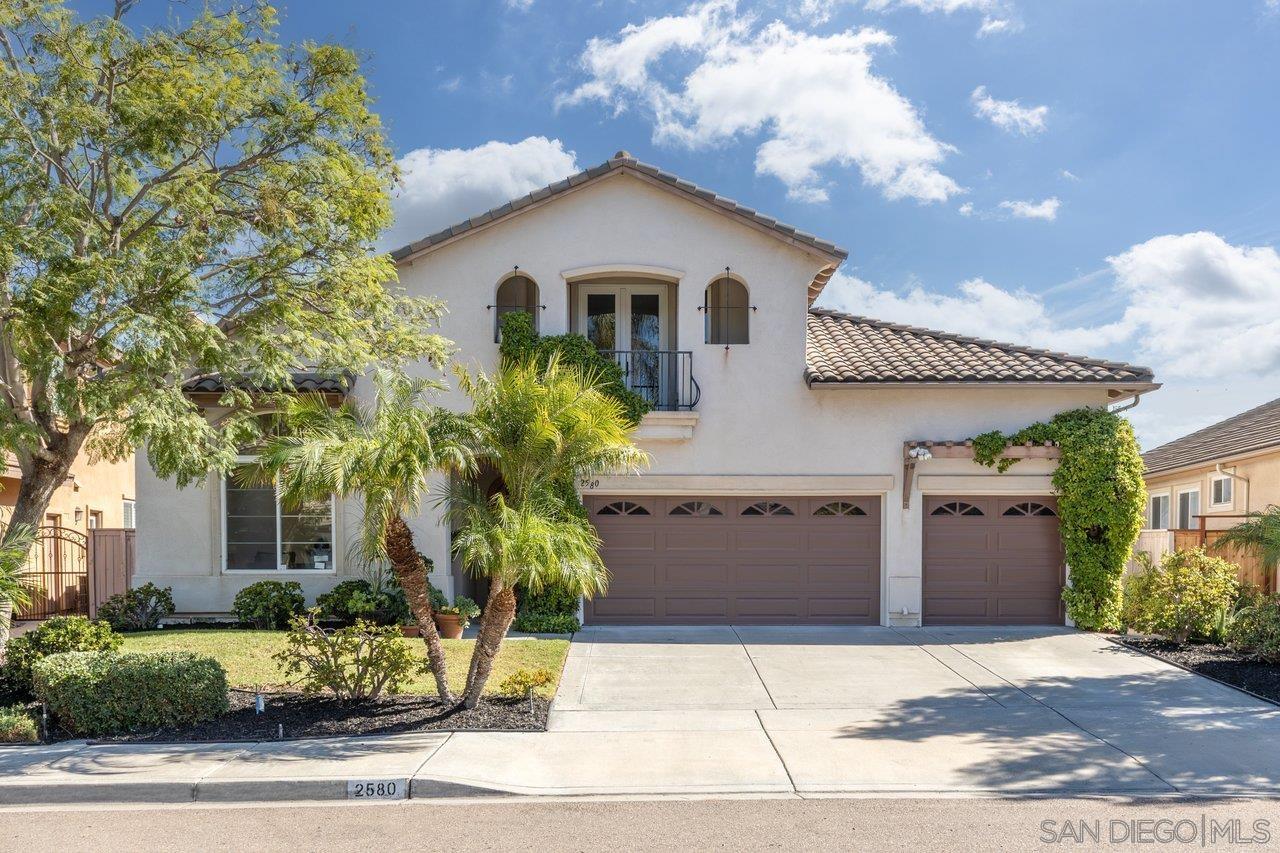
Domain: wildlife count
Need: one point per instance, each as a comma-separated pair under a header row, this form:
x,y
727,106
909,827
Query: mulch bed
x,y
1220,662
323,716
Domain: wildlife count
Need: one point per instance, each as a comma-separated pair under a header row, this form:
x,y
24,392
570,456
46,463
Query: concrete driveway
x,y
811,710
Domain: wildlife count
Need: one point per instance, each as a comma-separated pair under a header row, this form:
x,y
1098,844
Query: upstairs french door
x,y
629,321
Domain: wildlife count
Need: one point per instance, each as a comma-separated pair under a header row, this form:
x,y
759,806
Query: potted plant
x,y
452,619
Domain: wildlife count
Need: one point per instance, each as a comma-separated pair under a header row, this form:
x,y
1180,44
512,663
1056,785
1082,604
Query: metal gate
x,y
59,574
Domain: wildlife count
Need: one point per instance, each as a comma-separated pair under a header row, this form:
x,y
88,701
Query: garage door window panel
x,y
698,509
767,508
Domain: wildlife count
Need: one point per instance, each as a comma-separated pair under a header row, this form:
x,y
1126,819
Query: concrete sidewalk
x,y
710,711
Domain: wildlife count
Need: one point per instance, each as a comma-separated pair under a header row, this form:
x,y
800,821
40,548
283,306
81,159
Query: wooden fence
x,y
110,564
1251,571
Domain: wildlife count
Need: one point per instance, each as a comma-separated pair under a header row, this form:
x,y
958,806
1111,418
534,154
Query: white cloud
x,y
995,26
1046,210
1070,176
1009,116
966,209
1206,307
979,308
813,99
520,5
443,186
997,16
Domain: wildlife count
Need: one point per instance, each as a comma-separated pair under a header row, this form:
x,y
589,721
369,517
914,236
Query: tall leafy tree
x,y
177,202
539,430
382,453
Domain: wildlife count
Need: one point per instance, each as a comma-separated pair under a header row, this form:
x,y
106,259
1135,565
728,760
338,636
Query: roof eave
x,y
1120,390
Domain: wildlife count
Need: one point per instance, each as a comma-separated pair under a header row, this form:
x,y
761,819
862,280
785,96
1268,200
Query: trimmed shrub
x,y
138,609
358,662
270,604
1183,597
102,693
359,599
522,682
53,636
16,726
1255,628
551,611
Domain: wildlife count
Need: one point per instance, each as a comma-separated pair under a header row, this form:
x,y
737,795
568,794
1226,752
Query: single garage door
x,y
705,560
992,561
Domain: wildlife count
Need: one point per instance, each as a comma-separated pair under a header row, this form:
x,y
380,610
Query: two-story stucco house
x,y
784,484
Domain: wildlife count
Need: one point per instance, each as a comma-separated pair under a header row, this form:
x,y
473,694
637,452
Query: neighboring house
x,y
1227,469
96,494
783,486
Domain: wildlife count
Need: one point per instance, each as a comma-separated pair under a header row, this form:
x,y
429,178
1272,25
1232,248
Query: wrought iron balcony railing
x,y
663,377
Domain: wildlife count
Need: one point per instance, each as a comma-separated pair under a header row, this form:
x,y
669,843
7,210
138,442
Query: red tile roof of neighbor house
x,y
1256,429
845,349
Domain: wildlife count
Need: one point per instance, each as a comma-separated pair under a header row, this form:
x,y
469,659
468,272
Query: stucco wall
x,y
95,486
756,416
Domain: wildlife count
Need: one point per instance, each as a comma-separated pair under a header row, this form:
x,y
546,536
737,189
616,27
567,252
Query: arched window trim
x,y
535,309
622,508
747,310
839,508
957,508
697,509
1030,508
766,508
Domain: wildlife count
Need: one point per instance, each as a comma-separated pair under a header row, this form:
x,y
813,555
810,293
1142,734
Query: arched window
x,y
727,310
622,508
957,508
516,293
701,508
768,508
839,508
1029,508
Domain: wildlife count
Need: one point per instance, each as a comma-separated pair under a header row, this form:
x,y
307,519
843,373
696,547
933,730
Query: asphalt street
x,y
969,824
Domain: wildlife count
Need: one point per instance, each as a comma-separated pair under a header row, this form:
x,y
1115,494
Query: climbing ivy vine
x,y
1101,501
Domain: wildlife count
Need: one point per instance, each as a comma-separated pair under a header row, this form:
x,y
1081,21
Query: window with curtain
x,y
727,312
517,293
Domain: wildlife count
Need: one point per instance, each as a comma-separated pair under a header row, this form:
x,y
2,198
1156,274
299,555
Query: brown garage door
x,y
992,561
700,560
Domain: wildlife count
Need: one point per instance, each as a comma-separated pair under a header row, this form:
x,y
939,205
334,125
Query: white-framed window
x,y
259,534
1158,513
1188,509
130,514
1221,491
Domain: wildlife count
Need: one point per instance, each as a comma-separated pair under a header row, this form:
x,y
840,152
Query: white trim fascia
x,y
1129,388
666,426
743,484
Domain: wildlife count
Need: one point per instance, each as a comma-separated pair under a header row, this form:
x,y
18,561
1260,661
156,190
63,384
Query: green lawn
x,y
246,656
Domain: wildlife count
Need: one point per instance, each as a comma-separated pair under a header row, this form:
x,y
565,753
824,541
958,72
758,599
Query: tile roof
x,y
302,382
846,349
623,161
1256,429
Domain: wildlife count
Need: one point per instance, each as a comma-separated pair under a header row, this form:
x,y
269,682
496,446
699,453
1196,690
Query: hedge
x,y
103,693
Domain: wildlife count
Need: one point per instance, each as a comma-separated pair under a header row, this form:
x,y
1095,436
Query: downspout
x,y
1218,469
1137,398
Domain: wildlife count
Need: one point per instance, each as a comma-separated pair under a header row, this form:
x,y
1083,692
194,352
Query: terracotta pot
x,y
449,625
410,631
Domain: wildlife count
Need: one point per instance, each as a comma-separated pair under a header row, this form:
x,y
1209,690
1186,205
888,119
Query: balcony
x,y
662,377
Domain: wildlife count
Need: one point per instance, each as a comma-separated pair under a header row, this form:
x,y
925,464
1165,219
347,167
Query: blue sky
x,y
1093,176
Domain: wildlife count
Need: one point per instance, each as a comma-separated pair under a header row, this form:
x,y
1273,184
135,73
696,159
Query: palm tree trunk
x,y
412,575
499,613
6,621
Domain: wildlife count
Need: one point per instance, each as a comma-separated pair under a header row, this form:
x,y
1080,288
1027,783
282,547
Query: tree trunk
x,y
499,613
411,572
35,492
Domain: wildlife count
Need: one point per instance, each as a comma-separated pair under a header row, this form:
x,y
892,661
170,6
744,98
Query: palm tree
x,y
1259,533
539,431
16,578
383,453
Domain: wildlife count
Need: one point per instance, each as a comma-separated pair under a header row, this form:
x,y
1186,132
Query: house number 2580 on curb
x,y
375,789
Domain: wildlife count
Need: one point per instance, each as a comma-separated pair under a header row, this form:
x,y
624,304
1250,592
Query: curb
x,y
230,791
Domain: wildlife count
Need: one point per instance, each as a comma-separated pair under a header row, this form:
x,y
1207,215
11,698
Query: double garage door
x,y
716,559
787,560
